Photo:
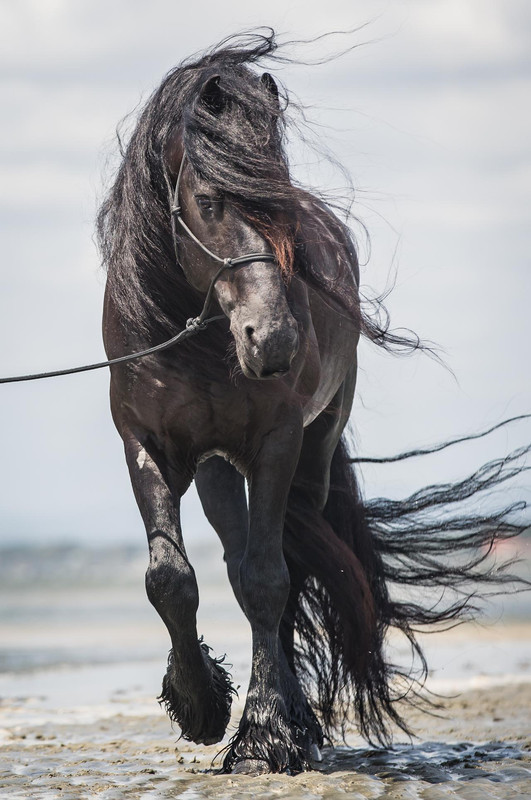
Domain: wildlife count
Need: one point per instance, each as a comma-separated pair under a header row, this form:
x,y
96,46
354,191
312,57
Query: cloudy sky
x,y
430,115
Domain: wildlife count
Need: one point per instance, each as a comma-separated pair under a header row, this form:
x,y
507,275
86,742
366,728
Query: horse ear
x,y
269,83
212,96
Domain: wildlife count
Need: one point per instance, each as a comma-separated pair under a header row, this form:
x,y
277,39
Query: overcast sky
x,y
431,116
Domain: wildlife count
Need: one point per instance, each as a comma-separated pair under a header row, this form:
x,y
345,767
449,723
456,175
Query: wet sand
x,y
126,749
81,662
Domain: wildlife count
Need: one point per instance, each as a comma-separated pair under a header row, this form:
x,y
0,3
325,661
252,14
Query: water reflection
x,y
433,762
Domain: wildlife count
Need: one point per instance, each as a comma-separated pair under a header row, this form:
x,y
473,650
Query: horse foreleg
x,y
222,493
196,690
265,741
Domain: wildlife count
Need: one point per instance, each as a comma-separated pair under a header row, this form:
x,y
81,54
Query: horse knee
x,y
172,590
265,591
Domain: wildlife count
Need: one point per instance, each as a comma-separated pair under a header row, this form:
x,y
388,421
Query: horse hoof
x,y
250,766
204,720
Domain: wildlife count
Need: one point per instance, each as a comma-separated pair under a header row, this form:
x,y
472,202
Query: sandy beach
x,y
479,747
81,668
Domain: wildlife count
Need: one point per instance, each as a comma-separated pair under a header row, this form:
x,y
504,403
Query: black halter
x,y
227,263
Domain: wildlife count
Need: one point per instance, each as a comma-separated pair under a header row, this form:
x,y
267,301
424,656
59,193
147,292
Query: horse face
x,y
253,295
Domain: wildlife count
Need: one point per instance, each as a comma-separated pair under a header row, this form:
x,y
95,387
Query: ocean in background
x,y
70,606
76,626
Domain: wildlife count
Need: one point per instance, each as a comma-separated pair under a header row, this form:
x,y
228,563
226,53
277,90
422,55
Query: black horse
x,y
263,395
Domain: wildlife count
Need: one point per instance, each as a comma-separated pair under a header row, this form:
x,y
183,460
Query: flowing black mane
x,y
242,154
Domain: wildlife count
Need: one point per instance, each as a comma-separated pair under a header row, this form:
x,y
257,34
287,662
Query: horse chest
x,y
205,418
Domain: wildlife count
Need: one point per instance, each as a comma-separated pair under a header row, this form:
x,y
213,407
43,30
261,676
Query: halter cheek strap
x,y
176,216
226,263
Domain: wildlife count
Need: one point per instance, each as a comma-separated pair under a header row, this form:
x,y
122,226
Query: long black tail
x,y
352,568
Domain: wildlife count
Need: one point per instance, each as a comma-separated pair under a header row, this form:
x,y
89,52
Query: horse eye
x,y
204,203
207,203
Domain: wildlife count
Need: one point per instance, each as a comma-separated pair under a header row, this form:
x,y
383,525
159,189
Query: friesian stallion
x,y
203,214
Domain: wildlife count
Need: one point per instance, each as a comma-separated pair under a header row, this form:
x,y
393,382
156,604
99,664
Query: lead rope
x,y
193,325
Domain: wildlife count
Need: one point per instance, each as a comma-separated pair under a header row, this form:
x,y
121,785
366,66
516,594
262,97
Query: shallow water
x,y
433,762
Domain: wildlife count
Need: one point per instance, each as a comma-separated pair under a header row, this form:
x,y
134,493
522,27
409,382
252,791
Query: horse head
x,y
214,228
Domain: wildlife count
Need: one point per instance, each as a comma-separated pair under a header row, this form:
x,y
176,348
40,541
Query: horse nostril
x,y
249,332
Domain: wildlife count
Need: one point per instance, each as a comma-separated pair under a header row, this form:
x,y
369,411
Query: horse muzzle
x,y
265,351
